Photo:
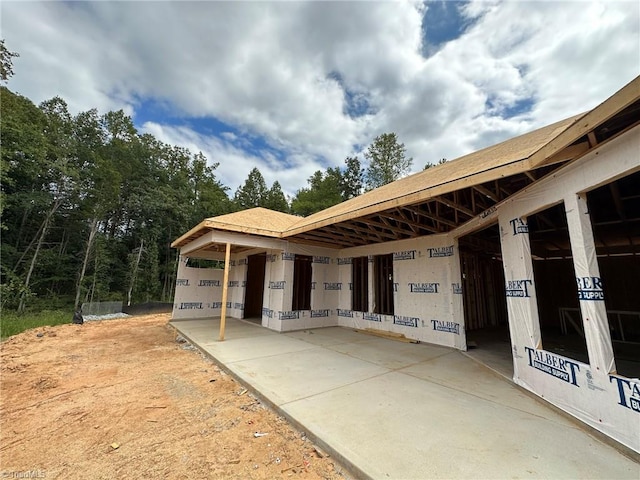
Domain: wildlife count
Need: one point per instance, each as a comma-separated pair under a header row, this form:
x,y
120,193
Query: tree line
x,y
90,206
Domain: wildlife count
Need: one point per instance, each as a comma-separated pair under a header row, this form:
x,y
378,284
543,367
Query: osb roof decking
x,y
442,178
446,196
257,221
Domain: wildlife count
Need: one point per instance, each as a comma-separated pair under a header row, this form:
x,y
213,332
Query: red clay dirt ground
x,y
121,398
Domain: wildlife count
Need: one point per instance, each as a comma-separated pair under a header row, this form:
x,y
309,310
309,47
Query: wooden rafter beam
x,y
433,217
375,223
414,219
352,229
308,239
507,193
567,153
455,202
591,120
399,216
340,237
455,206
387,218
473,199
334,231
479,201
413,226
359,232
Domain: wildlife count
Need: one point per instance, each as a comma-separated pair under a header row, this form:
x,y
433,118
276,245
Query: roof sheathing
x,y
256,221
497,161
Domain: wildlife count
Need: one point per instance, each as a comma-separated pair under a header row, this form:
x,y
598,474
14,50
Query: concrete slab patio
x,y
394,410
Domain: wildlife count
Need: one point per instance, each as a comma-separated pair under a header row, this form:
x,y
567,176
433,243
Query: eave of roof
x,y
506,158
255,221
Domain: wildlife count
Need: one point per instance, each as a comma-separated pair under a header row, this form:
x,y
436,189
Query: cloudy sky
x,y
293,87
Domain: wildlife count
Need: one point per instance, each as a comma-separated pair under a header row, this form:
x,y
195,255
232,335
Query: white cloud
x,y
565,57
235,162
277,71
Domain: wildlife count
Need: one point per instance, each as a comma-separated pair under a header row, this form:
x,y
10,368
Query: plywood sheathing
x,y
257,221
484,165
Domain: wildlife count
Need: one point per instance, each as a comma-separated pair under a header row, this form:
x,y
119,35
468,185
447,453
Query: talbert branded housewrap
x,y
535,239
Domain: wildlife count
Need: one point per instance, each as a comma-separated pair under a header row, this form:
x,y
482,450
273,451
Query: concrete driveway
x,y
393,410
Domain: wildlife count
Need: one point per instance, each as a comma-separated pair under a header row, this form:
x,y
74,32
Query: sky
x,y
292,87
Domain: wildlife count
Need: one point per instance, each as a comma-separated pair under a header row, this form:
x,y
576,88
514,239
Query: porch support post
x,y
225,289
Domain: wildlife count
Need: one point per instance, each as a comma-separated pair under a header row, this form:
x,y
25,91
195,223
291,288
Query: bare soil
x,y
122,398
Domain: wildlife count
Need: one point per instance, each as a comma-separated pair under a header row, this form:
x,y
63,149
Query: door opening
x,y
254,291
484,299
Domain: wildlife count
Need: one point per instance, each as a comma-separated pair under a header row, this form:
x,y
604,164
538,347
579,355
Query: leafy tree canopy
x,y
275,199
253,193
324,191
6,62
439,162
387,161
90,206
352,182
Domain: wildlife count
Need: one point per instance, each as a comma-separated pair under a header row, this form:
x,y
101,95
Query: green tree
x,y
324,191
352,178
99,184
429,165
59,178
22,158
253,193
23,195
387,161
6,62
275,199
209,196
103,234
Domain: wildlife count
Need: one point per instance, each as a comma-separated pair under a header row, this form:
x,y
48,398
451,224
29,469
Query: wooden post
x,y
225,289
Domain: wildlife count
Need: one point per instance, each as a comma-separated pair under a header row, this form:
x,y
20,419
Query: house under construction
x,y
535,240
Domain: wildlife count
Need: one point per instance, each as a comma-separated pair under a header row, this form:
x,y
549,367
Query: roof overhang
x,y
211,244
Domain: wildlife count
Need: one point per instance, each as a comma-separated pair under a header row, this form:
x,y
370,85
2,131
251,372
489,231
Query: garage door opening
x,y
484,299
